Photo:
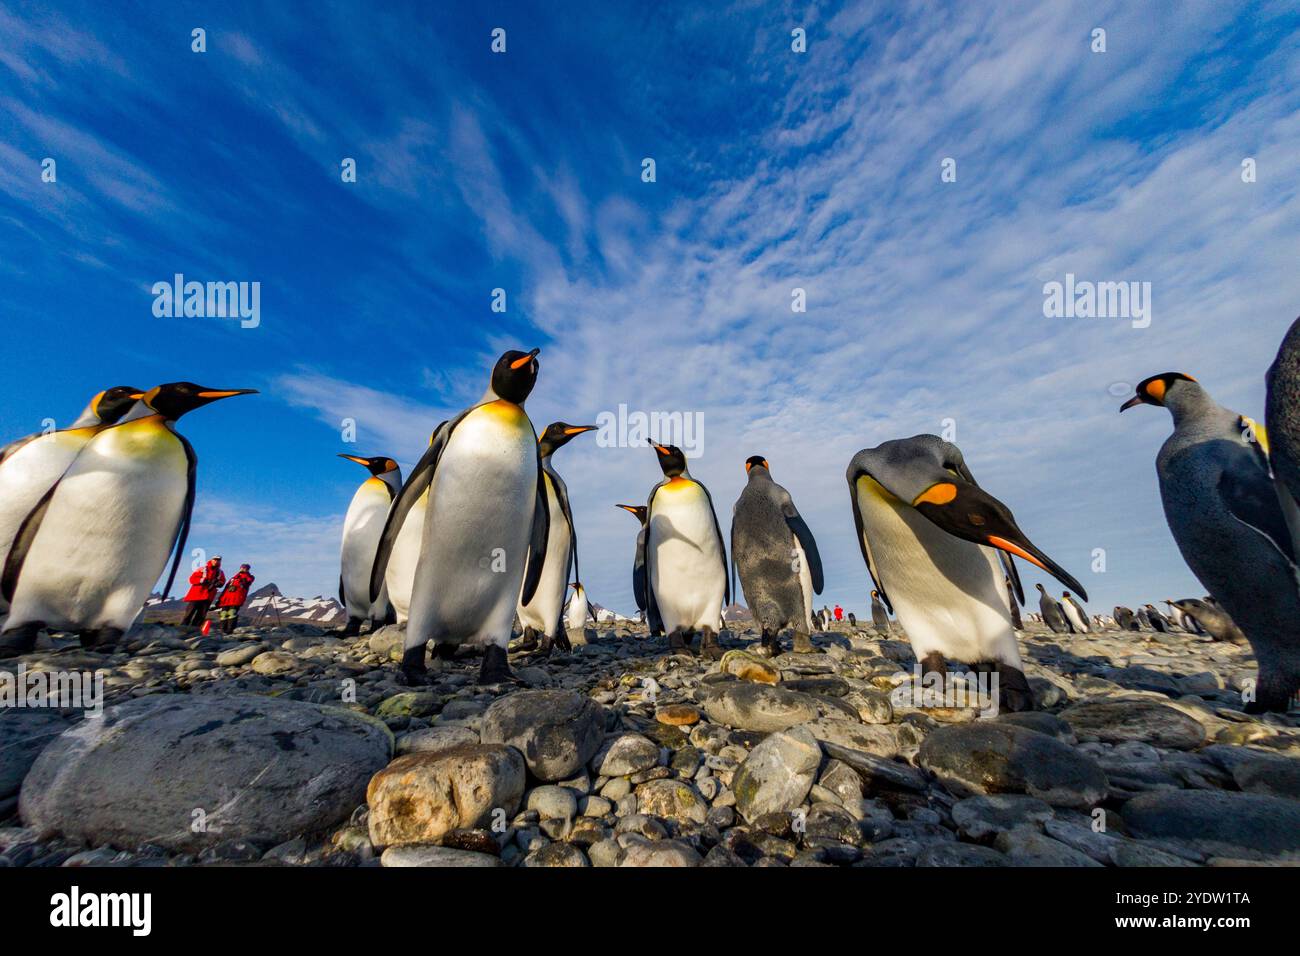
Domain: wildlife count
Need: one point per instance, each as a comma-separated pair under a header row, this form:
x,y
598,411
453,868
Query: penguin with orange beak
x,y
362,526
1224,511
939,549
87,555
540,617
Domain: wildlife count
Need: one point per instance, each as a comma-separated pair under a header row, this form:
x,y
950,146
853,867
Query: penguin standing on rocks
x,y
1125,618
1157,620
578,610
1053,613
486,526
1211,620
685,557
1177,617
1074,613
938,548
86,556
30,466
541,616
1226,517
776,557
879,616
362,527
639,589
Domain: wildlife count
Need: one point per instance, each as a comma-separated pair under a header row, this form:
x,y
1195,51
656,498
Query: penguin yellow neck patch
x,y
503,409
940,493
876,489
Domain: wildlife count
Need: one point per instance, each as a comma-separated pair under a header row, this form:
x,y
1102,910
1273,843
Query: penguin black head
x,y
1040,587
558,434
671,459
112,403
515,375
176,398
1065,594
379,465
756,461
1151,391
638,511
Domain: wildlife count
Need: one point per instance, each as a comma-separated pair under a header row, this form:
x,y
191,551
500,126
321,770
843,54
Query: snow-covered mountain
x,y
265,604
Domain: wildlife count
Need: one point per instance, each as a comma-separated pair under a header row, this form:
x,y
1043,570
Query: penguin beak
x,y
661,449
1135,400
359,461
969,512
216,393
579,429
521,362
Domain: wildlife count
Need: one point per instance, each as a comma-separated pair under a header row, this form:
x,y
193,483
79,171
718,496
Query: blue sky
x,y
775,170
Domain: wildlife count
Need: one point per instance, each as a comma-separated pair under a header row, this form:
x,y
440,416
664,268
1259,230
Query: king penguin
x,y
651,614
486,525
1210,620
30,466
87,554
578,610
776,556
1226,517
684,556
938,548
1053,613
541,616
1125,618
362,527
1074,613
879,616
1282,414
399,576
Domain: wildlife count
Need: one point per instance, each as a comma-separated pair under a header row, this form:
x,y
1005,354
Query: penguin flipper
x,y
8,450
1254,502
1010,567
722,546
342,599
22,545
537,543
187,512
416,484
562,493
806,541
732,562
638,571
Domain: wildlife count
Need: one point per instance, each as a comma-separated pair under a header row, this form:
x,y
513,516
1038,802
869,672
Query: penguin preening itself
x,y
1075,614
879,616
541,616
30,466
684,556
639,589
1053,613
938,548
1229,524
486,524
88,553
362,527
775,554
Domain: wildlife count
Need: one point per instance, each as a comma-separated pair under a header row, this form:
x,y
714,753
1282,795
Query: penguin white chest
x,y
687,573
948,593
107,531
362,528
543,611
399,576
477,527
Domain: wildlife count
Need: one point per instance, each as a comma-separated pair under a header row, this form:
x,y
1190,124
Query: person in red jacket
x,y
204,585
233,598
839,613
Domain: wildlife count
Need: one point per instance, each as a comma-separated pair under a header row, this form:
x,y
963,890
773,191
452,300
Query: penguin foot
x,y
21,640
709,646
677,644
771,644
1014,694
496,667
562,641
353,627
803,644
412,672
933,663
102,639
528,642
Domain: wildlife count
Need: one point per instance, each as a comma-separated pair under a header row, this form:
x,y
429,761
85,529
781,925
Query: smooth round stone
x,y
239,656
777,774
274,663
556,731
757,707
625,755
878,739
671,800
408,704
435,739
553,803
1042,722
660,853
436,856
1221,823
994,757
1148,721
960,854
557,854
979,817
677,715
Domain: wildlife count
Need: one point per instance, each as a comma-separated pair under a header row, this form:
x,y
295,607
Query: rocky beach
x,y
288,745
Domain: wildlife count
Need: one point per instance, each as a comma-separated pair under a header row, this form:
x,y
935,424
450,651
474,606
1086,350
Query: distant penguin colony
x,y
481,535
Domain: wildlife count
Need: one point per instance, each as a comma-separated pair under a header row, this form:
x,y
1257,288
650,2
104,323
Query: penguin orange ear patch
x,y
939,493
1156,389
